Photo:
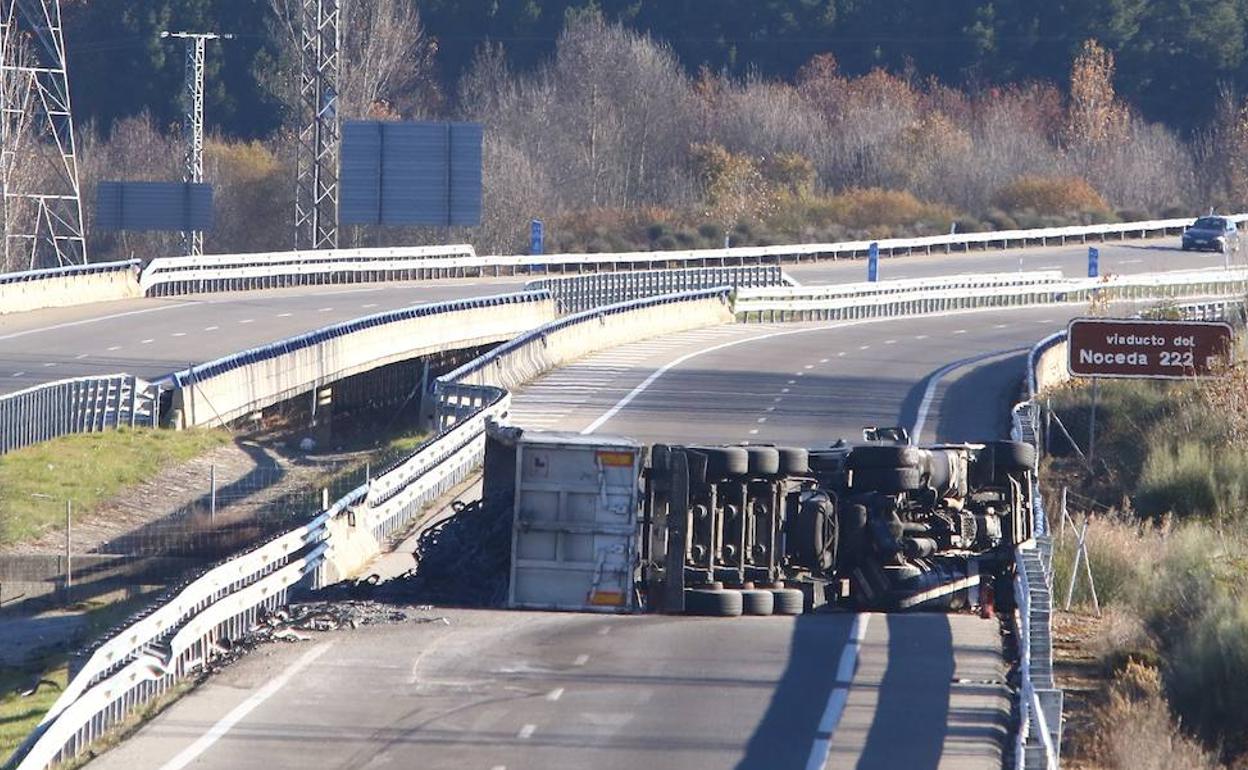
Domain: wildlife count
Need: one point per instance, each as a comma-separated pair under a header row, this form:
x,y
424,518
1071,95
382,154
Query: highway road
x,y
153,337
520,690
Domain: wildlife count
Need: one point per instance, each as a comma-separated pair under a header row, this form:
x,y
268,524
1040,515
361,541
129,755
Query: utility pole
x,y
193,121
38,160
316,191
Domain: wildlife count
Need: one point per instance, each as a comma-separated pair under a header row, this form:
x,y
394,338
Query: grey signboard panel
x,y
359,176
410,173
165,206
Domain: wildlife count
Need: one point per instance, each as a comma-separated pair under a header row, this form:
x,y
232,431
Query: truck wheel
x,y
889,481
757,601
788,601
1012,455
725,462
718,604
885,456
794,461
763,460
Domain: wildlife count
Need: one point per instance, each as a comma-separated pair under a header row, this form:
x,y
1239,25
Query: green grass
x,y
18,715
86,469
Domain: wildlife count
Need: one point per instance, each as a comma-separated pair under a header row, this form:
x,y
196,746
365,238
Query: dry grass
x,y
1051,196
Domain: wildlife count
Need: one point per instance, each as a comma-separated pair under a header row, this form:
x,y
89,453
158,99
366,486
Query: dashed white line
x,y
178,334
146,342
526,732
554,694
580,660
18,374
324,309
792,382
784,390
753,431
247,321
1130,261
864,347
284,315
890,342
81,356
809,366
50,363
368,305
841,354
778,399
999,326
823,360
959,331
211,328
770,408
920,336
114,347
762,420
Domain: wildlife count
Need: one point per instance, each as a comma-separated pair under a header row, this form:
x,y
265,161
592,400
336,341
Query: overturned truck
x,y
607,524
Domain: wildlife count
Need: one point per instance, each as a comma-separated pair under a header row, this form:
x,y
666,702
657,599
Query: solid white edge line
x,y
929,393
227,722
839,697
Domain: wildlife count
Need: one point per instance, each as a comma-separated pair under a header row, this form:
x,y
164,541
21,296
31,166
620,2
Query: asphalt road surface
x,y
521,690
153,337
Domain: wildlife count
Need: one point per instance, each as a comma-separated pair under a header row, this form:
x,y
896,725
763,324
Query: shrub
x,y
711,232
1052,196
1192,478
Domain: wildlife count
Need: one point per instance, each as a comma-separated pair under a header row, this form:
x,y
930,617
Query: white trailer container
x,y
575,528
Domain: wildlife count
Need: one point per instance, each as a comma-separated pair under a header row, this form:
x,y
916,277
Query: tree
x,y
1095,116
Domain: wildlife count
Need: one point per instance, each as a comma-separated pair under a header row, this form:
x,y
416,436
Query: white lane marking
x,y
114,347
604,630
929,392
777,399
791,382
863,347
554,694
284,315
770,408
85,321
146,342
798,374
1130,261
999,326
823,360
784,390
839,696
50,363
959,331
753,431
890,342
842,353
920,336
18,374
499,767
580,660
369,304
215,733
324,309
211,328
762,420
809,366
526,732
1049,267
247,321
178,334
81,356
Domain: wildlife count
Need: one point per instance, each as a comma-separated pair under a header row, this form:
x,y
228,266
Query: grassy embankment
x,y
1169,554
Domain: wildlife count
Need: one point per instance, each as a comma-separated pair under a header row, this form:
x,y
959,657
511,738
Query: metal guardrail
x,y
146,657
578,293
79,405
94,268
813,304
234,272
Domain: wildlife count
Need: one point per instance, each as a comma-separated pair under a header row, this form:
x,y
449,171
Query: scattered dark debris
x,y
461,561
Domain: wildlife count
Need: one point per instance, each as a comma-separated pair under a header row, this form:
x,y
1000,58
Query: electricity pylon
x,y
316,192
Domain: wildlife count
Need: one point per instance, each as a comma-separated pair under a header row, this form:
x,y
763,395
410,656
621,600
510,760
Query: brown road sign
x,y
1120,347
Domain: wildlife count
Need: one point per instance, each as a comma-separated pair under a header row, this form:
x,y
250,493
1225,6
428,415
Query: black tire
x,y
763,460
713,603
883,456
888,481
939,474
794,461
788,601
757,601
725,462
1012,456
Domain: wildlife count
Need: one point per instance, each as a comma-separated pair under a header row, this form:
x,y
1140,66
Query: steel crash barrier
x,y
72,285
577,293
178,636
175,638
166,276
78,405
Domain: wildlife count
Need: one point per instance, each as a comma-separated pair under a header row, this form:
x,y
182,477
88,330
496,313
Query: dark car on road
x,y
1212,234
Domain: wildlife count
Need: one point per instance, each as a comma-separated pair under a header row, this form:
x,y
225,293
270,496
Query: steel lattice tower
x,y
38,164
193,120
316,194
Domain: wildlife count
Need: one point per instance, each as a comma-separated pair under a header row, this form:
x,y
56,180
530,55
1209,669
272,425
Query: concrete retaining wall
x,y
39,289
1051,368
223,391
